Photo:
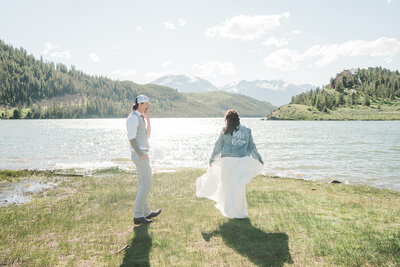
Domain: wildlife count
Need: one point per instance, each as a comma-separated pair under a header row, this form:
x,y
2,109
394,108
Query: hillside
x,y
363,94
219,102
32,88
186,83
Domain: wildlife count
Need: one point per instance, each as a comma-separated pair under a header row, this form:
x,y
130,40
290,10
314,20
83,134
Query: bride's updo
x,y
232,120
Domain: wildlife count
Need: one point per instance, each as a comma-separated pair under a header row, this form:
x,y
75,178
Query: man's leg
x,y
143,170
147,186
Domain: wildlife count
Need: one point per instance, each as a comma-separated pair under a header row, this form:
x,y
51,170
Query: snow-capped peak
x,y
186,83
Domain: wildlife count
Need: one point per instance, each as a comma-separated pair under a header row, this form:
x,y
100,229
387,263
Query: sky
x,y
217,40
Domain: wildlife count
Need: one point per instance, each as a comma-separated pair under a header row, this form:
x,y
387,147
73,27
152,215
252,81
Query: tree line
x,y
360,88
25,82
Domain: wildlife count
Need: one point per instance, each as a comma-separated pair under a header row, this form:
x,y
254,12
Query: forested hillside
x,y
37,89
357,87
362,94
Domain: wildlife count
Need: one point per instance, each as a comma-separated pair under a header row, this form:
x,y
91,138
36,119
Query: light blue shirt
x,y
239,144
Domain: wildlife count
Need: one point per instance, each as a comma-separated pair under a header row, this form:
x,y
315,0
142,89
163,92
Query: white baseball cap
x,y
142,99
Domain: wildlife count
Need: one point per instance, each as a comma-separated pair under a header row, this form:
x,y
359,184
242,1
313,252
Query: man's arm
x,y
136,147
148,125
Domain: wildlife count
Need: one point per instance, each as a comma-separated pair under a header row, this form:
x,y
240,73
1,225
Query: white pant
x,y
143,170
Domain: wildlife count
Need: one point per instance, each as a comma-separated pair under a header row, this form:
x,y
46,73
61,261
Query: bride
x,y
226,178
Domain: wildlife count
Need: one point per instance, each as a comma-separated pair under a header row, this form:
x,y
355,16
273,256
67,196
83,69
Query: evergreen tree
x,y
366,101
349,100
366,84
341,101
16,114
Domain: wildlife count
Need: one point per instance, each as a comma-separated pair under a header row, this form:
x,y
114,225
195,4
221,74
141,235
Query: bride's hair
x,y
232,119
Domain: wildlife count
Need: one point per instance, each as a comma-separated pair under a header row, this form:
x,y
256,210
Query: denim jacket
x,y
239,144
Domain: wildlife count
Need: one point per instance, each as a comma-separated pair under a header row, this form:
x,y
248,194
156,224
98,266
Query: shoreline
x,y
299,112
73,172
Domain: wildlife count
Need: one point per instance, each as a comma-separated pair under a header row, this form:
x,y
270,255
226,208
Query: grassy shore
x,y
377,111
87,220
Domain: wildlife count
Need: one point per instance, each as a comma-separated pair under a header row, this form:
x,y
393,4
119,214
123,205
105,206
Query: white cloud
x,y
246,27
382,47
389,1
155,75
49,50
169,26
285,59
61,54
165,64
94,57
124,73
274,41
138,28
214,68
181,22
296,32
49,47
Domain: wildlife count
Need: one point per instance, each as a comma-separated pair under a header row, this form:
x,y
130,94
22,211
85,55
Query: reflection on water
x,y
359,151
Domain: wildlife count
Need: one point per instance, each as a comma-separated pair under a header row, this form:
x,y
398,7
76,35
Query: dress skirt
x,y
225,183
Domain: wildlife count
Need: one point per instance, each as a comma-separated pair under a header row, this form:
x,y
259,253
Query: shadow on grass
x,y
137,253
263,249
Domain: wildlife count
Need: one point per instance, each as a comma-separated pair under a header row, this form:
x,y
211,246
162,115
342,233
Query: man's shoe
x,y
153,214
141,220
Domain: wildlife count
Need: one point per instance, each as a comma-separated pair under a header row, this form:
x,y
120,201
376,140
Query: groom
x,y
139,129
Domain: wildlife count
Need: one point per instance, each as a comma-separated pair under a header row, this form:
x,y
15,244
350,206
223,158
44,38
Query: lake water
x,y
365,152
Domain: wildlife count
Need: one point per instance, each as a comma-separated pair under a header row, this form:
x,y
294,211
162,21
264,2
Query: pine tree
x,y
16,114
366,101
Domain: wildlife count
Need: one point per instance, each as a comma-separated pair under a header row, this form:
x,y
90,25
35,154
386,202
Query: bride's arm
x,y
217,148
253,150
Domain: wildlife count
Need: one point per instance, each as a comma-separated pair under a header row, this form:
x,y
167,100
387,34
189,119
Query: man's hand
x,y
146,114
144,157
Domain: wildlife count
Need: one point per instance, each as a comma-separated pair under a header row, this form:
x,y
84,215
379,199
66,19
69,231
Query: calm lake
x,y
366,152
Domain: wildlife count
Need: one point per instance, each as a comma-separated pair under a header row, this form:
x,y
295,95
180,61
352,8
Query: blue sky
x,y
221,41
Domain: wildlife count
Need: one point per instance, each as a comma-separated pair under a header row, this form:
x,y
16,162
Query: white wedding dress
x,y
225,183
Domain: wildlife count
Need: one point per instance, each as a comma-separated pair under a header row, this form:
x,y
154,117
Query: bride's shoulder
x,y
244,128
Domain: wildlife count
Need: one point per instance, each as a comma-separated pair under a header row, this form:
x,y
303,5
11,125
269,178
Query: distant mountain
x,y
276,92
35,89
186,83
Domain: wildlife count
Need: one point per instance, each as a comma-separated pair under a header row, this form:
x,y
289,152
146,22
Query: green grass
x,y
13,176
86,220
377,111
